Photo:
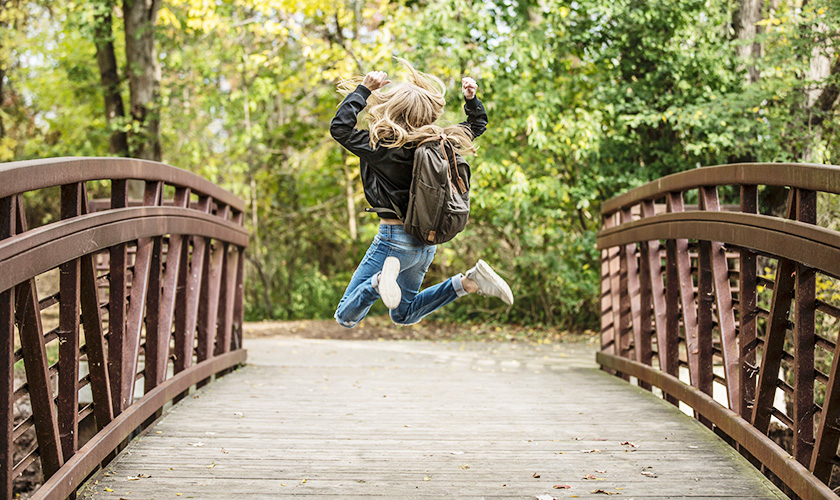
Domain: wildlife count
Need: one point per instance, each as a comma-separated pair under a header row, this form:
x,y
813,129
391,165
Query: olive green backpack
x,y
439,197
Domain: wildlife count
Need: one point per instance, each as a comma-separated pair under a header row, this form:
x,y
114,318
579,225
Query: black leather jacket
x,y
386,172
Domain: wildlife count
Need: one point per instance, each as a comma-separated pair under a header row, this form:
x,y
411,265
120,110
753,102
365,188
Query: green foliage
x,y
586,99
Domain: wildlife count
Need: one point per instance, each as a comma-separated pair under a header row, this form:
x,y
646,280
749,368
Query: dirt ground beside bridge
x,y
381,328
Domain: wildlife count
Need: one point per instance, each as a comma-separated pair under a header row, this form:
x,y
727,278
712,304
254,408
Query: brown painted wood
x,y
239,304
117,297
608,327
183,350
747,312
768,376
137,305
208,311
688,305
7,360
805,341
828,432
156,349
28,317
725,309
228,296
68,333
705,323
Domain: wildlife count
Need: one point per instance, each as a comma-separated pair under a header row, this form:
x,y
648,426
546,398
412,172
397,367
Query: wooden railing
x,y
698,298
150,292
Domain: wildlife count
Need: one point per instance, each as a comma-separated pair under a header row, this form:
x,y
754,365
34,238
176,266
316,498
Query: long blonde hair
x,y
406,112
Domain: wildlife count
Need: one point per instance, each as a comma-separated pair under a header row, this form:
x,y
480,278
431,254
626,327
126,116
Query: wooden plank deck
x,y
404,419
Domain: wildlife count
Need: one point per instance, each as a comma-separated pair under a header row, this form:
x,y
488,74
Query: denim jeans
x,y
415,259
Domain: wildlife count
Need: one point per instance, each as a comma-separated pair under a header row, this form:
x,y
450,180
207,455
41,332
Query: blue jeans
x,y
415,259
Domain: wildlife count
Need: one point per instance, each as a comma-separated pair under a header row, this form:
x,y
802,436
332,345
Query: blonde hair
x,y
406,112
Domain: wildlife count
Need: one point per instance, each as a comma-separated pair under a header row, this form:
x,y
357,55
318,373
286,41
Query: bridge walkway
x,y
407,419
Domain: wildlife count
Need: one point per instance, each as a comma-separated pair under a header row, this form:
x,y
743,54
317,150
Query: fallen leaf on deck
x,y
303,481
198,444
561,487
427,478
600,471
224,451
211,465
592,477
465,466
536,475
590,451
109,490
545,497
629,443
134,479
603,492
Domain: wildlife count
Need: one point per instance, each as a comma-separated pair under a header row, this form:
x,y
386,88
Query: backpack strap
x,y
453,167
386,211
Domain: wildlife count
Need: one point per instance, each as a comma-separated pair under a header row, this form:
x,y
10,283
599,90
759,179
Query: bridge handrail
x,y
172,281
667,299
810,176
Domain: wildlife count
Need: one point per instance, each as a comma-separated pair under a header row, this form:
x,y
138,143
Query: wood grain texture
x,y
424,420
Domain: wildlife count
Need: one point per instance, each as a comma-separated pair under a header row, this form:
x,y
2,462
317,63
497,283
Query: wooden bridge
x,y
698,285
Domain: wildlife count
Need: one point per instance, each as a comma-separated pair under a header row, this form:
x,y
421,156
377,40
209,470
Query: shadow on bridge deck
x,y
400,420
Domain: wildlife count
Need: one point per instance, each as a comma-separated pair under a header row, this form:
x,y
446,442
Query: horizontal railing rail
x,y
108,314
697,298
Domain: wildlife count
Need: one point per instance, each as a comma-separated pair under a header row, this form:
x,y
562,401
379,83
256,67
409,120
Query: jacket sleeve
x,y
476,116
343,125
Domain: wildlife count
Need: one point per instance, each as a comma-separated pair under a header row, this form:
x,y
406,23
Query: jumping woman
x,y
400,118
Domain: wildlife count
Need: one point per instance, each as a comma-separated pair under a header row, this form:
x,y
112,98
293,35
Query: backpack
x,y
439,198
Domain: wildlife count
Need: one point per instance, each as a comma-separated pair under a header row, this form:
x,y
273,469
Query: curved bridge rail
x,y
149,293
681,294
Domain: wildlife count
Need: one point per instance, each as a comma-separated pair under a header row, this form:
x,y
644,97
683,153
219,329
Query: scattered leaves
x,y
465,466
647,472
628,443
591,477
545,497
604,492
537,476
590,451
600,471
561,487
199,444
427,478
109,490
211,465
303,480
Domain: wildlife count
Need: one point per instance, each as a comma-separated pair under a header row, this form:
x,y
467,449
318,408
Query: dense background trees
x,y
586,98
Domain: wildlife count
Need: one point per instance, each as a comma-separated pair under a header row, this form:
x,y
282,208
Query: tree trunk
x,y
110,79
745,19
143,76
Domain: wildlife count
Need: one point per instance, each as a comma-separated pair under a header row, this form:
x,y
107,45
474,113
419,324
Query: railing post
x,y
7,361
641,341
117,304
747,313
68,333
805,341
609,338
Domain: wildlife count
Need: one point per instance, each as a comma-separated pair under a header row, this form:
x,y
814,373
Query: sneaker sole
x,y
507,295
389,290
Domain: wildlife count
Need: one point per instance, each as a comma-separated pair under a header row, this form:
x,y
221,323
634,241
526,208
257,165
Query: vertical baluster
x,y
805,340
672,311
609,338
175,259
641,342
117,303
7,360
188,319
615,290
747,311
774,341
678,251
28,316
210,289
94,338
137,304
157,347
226,290
68,333
239,306
705,324
667,346
828,433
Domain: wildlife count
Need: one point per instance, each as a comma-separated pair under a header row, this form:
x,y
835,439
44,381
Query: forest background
x,y
586,98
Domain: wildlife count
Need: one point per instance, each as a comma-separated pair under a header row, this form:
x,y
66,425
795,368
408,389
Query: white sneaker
x,y
389,290
489,283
